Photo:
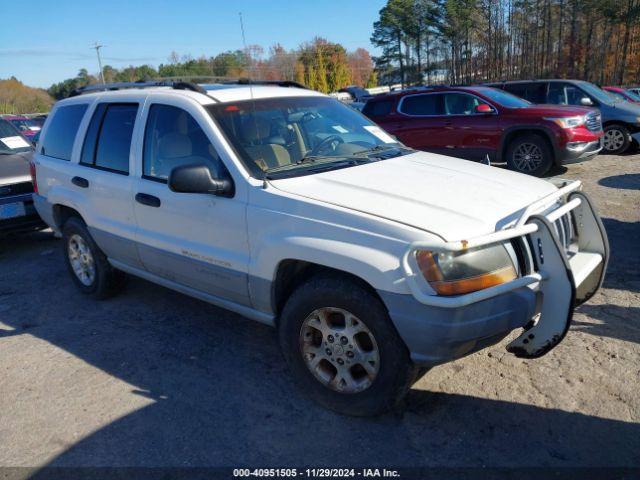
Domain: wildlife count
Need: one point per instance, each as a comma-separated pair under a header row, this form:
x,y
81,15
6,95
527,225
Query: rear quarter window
x,y
62,131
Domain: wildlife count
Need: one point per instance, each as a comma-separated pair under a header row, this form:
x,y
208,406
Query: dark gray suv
x,y
620,119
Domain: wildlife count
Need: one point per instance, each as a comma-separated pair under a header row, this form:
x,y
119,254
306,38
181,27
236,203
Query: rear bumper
x,y
45,210
28,221
568,267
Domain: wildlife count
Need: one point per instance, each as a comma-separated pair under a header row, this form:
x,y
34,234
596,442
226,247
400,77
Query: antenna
x,y
98,47
246,52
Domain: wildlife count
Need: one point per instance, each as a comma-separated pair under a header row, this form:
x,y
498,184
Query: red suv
x,y
473,122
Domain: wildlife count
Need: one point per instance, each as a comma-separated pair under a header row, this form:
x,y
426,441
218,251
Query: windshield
x,y
617,96
503,98
632,95
597,93
288,133
10,139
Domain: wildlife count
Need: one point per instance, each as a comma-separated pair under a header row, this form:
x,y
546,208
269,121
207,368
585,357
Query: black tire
x,y
617,139
107,281
396,372
540,147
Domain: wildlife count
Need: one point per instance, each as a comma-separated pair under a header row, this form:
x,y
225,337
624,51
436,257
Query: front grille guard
x,y
423,292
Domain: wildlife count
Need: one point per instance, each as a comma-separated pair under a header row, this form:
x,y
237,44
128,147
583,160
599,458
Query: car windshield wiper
x,y
311,159
383,148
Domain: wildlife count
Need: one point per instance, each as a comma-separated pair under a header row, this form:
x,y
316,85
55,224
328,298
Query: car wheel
x,y
342,349
89,268
617,139
530,154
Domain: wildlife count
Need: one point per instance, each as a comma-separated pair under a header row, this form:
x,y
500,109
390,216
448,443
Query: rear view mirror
x,y
586,101
483,108
197,179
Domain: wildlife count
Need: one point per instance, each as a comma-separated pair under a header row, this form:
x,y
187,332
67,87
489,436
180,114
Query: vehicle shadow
x,y
628,181
623,271
618,322
220,394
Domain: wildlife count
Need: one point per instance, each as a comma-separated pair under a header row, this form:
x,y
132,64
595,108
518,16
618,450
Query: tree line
x,y
15,97
465,41
319,64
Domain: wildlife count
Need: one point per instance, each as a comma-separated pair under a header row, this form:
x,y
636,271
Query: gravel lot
x,y
154,378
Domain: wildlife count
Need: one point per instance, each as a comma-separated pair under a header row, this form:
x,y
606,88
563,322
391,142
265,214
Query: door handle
x,y
148,200
80,182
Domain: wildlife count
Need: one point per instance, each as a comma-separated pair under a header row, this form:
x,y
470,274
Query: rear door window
x,y
108,140
428,104
62,131
565,94
378,109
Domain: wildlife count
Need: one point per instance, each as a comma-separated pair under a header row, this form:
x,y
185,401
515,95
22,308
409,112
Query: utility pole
x,y
98,47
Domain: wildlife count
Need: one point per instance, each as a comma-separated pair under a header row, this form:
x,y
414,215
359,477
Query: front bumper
x,y
576,152
569,262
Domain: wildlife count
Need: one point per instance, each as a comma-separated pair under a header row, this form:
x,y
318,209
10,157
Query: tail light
x,y
32,171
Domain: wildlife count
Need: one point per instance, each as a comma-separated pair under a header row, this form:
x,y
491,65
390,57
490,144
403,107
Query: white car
x,y
374,261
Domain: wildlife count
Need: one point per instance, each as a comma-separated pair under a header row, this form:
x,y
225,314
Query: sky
x,y
47,41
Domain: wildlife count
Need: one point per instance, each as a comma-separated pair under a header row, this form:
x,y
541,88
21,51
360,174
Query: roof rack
x,y
124,85
276,83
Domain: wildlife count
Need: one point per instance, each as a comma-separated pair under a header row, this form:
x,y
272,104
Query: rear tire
x,y
529,154
88,265
366,373
617,139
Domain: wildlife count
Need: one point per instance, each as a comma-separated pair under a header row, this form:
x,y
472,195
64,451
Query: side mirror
x,y
483,108
586,101
197,179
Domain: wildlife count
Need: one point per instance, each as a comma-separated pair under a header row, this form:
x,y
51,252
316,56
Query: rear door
x,y
103,178
421,122
469,134
195,240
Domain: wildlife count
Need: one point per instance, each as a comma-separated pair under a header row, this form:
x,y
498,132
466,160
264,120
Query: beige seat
x,y
256,132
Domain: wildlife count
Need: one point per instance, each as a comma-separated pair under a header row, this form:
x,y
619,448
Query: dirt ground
x,y
154,378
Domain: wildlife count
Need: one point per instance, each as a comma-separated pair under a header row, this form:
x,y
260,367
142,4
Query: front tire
x,y
617,139
342,349
529,154
88,265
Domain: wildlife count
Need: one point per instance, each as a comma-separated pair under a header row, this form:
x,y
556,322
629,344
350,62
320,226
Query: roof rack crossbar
x,y
277,83
125,85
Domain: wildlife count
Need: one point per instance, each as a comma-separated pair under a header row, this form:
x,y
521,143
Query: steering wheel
x,y
330,140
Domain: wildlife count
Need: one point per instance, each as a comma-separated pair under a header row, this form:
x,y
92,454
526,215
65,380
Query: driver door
x,y
195,240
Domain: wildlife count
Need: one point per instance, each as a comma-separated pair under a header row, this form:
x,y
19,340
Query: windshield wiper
x,y
383,148
311,159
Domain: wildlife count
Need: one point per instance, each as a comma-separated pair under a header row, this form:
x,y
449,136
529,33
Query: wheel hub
x,y
527,157
339,350
613,139
81,260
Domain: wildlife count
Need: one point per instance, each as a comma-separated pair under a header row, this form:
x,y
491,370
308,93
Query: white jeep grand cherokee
x,y
374,261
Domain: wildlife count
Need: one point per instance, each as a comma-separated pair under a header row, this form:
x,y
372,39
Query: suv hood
x,y
455,199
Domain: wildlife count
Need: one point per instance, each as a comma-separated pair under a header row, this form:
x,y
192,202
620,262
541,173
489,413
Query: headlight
x,y
568,122
463,272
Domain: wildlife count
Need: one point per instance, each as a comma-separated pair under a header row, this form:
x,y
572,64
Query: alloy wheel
x,y
613,140
339,350
527,157
81,260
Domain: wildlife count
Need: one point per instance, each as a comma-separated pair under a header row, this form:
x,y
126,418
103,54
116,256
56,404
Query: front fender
x,y
380,269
